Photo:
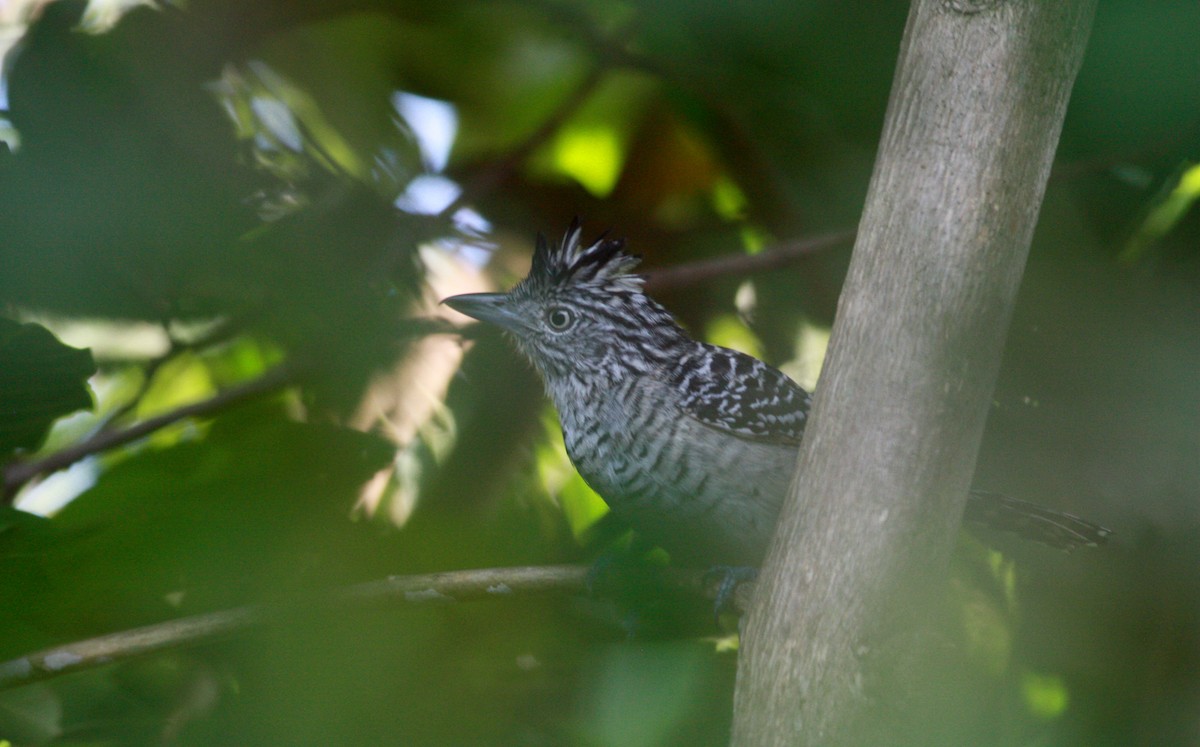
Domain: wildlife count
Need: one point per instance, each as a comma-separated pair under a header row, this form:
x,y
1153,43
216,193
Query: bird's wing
x,y
739,394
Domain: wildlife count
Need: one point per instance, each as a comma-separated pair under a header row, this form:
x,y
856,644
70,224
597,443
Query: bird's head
x,y
581,312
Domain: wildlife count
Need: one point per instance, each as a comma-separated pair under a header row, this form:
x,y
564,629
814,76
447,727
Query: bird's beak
x,y
487,307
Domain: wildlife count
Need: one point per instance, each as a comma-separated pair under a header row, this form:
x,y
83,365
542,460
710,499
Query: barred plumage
x,y
692,444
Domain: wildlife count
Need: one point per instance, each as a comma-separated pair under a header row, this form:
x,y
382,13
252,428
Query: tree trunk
x,y
861,550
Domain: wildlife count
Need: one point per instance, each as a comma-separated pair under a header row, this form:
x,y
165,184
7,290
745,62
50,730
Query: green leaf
x,y
259,506
1045,694
641,695
1166,213
41,380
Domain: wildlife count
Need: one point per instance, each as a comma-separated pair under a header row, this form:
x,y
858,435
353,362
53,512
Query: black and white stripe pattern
x,y
602,264
742,395
693,444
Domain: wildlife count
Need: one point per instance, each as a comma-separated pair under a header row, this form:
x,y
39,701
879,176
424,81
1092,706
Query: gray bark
x,y
862,546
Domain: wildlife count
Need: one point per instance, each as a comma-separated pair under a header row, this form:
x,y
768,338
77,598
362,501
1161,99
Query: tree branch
x,y
17,474
836,645
778,256
221,332
394,591
686,274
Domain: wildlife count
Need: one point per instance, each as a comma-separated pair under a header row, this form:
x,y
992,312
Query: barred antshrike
x,y
693,445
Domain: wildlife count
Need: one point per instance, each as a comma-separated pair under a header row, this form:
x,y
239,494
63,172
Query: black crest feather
x,y
603,263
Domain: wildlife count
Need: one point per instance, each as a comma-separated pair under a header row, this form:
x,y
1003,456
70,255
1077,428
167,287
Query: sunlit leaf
x,y
592,146
1045,694
241,359
754,239
811,342
1169,209
103,15
592,156
728,199
581,505
728,643
181,380
728,331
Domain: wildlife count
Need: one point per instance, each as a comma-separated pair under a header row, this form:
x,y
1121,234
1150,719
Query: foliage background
x,y
239,194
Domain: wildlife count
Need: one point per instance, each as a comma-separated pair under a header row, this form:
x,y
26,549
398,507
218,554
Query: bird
x,y
690,444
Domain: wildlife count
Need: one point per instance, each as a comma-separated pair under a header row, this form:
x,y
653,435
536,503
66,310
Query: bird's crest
x,y
602,264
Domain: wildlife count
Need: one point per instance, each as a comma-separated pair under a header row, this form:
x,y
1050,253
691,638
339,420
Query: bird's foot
x,y
728,578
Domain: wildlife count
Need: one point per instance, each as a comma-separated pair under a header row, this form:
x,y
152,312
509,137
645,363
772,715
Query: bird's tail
x,y
1033,522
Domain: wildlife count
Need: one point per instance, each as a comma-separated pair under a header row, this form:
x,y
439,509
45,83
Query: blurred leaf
x,y
113,204
1004,571
241,359
593,146
983,590
283,120
591,155
181,380
671,169
24,537
259,507
341,74
728,331
729,201
1135,88
234,161
1045,694
31,715
40,380
581,505
1167,211
642,696
504,66
987,630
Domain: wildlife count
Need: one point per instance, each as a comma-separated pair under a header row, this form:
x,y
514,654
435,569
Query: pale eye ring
x,y
560,318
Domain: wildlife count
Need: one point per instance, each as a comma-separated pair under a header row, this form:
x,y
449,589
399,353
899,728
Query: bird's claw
x,y
730,576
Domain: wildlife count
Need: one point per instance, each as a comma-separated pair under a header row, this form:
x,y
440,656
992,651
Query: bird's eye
x,y
560,318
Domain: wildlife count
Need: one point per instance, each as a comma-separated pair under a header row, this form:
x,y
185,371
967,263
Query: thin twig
x,y
701,271
220,333
781,255
93,652
17,474
453,586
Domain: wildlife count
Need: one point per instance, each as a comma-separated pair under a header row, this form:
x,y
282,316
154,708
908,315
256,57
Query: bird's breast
x,y
705,495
